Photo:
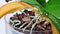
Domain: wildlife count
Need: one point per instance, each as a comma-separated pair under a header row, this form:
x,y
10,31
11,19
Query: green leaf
x,y
40,9
53,7
55,21
36,4
42,2
30,1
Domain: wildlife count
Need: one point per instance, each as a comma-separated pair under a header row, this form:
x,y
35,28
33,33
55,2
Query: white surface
x,y
2,22
2,26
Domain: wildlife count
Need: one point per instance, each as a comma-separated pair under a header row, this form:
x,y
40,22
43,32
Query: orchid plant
x,y
51,8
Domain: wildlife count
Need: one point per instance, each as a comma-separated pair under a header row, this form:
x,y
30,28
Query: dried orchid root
x,y
28,25
37,21
25,20
33,26
23,25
